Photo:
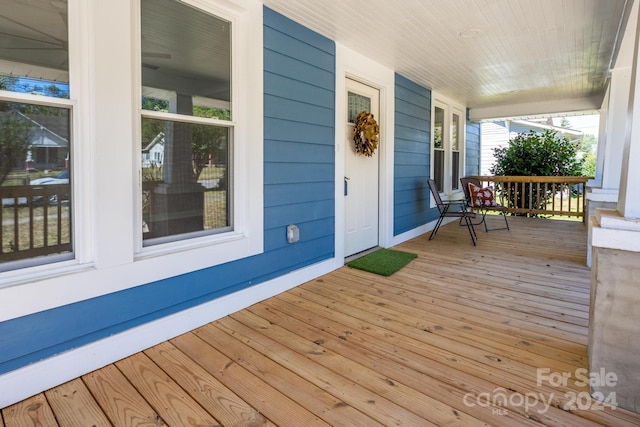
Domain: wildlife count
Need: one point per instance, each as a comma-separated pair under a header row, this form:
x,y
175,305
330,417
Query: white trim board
x,y
353,65
32,379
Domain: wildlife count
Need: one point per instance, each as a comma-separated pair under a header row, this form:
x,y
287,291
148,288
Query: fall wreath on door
x,y
365,134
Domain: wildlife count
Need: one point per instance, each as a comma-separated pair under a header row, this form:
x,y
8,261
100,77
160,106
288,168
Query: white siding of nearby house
x,y
498,134
494,134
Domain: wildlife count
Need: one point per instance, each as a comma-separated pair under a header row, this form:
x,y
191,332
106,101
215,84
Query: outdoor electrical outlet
x,y
293,233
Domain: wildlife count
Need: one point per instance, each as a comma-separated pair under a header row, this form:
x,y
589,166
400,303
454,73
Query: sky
x,y
589,124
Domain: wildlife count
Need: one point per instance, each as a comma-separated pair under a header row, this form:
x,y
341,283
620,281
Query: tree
x,y
15,139
209,142
15,127
589,165
536,154
7,82
588,145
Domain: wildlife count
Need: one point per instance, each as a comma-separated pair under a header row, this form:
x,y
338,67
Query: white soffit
x,y
491,55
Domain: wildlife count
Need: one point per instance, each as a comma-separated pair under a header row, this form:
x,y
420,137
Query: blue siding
x,y
298,188
472,149
412,156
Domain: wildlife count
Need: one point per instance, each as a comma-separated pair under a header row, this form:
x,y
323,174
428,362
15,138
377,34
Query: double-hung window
x,y
199,149
35,135
448,145
187,126
131,143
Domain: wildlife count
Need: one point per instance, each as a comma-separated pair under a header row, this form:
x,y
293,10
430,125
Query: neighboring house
x,y
497,134
153,153
292,162
48,148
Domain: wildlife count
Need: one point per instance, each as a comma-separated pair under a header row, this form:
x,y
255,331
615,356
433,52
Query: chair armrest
x,y
455,202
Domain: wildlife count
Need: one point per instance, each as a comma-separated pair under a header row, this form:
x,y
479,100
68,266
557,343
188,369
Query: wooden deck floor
x,y
434,344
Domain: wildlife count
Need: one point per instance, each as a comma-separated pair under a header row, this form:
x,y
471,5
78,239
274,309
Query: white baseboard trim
x,y
401,238
40,376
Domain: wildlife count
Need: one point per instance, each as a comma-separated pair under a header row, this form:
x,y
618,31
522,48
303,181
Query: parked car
x,y
60,178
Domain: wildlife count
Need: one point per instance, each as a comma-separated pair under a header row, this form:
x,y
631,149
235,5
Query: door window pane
x,y
356,104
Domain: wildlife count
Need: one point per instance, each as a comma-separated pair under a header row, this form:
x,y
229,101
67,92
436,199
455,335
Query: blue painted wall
x,y
412,156
472,148
299,134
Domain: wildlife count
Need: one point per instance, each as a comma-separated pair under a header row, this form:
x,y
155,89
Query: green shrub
x,y
536,154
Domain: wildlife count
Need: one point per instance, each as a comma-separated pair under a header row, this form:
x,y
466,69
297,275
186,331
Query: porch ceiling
x,y
528,57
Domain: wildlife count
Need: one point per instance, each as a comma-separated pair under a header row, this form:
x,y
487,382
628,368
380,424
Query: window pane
x,y
438,168
438,128
455,153
34,57
185,173
455,123
186,60
35,182
455,170
357,104
186,71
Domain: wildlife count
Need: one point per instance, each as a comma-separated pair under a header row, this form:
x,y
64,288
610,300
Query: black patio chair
x,y
452,209
483,208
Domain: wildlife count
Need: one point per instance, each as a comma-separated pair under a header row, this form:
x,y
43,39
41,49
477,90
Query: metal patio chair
x,y
452,209
474,204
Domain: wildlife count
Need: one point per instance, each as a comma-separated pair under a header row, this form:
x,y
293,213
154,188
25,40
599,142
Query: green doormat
x,y
384,262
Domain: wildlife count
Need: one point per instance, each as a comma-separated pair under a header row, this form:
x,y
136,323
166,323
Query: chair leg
x,y
478,223
502,212
472,231
435,229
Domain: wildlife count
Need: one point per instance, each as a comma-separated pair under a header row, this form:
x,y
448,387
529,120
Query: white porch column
x,y
614,318
615,127
602,192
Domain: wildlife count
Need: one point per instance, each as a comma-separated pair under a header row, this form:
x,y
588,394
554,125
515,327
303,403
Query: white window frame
x,y
106,129
30,270
45,263
234,244
450,107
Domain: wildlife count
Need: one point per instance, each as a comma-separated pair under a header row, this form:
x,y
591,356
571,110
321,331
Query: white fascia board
x,y
513,111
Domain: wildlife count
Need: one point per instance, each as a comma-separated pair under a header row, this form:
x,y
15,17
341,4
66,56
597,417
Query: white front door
x,y
361,174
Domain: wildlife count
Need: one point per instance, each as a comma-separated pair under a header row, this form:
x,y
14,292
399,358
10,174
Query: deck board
x,y
210,393
119,399
31,412
173,406
351,348
73,405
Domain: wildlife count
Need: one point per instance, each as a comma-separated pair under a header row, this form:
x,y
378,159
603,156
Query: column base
x,y
176,209
614,318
